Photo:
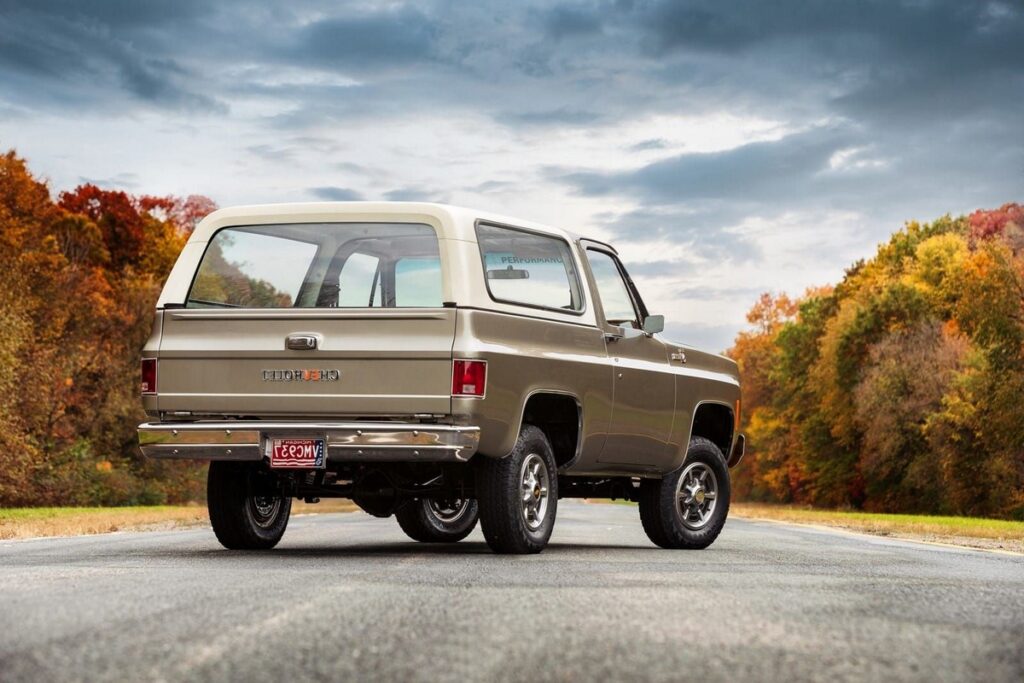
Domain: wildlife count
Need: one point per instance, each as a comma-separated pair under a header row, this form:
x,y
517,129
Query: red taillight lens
x,y
469,377
149,375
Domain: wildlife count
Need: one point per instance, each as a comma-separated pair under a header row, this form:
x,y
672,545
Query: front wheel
x,y
244,511
687,508
518,495
435,520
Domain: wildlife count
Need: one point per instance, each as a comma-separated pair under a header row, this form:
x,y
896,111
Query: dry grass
x,y
71,521
35,522
991,534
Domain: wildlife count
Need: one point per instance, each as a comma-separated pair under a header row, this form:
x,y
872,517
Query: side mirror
x,y
653,324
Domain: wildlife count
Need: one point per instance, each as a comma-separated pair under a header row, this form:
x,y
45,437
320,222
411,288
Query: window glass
x,y
527,268
418,282
237,272
618,307
307,265
359,281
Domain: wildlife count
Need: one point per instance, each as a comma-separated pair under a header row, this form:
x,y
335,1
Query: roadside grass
x,y
970,532
76,521
973,532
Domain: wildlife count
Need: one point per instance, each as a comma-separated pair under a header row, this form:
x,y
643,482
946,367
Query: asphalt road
x,y
347,596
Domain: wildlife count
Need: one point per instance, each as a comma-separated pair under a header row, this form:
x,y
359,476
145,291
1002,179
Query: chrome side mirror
x,y
653,324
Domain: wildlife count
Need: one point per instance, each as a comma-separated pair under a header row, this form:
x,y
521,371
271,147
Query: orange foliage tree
x,y
78,282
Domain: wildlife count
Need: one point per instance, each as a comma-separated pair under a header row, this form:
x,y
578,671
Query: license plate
x,y
296,453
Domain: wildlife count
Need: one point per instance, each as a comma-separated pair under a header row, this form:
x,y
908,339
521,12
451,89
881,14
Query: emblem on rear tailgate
x,y
301,375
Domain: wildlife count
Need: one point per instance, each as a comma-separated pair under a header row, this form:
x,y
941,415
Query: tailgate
x,y
366,362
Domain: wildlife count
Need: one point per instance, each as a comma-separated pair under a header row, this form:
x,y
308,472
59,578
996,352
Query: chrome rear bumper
x,y
345,441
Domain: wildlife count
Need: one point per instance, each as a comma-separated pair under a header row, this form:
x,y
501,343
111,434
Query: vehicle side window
x,y
418,282
611,287
527,268
359,282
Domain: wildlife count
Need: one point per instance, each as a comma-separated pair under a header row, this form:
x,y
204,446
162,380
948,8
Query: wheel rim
x,y
697,495
448,511
264,509
534,490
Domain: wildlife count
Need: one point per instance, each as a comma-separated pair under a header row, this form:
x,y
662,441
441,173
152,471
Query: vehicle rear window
x,y
529,269
323,265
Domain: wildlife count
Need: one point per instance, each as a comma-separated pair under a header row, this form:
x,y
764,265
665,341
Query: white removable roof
x,y
453,222
456,229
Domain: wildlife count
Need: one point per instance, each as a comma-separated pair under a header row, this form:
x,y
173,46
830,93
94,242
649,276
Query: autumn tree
x,y
79,278
899,388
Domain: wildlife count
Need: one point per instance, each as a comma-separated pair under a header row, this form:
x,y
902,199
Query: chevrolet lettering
x,y
435,364
301,375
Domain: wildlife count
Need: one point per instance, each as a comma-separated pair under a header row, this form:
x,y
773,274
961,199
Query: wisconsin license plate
x,y
296,453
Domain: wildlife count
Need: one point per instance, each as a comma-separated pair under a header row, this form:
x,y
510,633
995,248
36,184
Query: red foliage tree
x,y
989,223
117,216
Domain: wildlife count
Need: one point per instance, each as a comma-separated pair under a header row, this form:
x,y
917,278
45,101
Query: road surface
x,y
347,596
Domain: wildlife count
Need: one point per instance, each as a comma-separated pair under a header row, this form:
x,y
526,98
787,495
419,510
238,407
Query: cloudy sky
x,y
728,148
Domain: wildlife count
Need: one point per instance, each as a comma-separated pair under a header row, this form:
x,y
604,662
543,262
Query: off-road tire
x,y
420,522
235,511
499,488
660,512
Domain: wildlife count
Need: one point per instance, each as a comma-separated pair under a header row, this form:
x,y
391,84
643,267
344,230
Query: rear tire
x,y
438,521
687,508
518,495
242,515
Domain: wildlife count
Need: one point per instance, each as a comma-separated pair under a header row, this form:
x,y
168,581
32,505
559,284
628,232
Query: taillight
x,y
148,376
469,377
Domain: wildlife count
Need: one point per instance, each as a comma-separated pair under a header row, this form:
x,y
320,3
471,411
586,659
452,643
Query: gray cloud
x,y
415,194
645,145
91,54
335,194
571,20
127,181
549,117
704,233
751,172
366,42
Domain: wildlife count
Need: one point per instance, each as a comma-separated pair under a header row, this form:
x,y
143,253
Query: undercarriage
x,y
381,488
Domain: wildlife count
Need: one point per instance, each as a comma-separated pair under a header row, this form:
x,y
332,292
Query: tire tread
x,y
658,506
499,512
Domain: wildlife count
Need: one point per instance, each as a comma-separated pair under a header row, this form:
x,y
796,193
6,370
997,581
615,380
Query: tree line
x,y
901,388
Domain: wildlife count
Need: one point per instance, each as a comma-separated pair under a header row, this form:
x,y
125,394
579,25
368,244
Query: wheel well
x,y
558,416
714,422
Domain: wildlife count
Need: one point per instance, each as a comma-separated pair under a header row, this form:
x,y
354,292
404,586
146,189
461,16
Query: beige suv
x,y
434,363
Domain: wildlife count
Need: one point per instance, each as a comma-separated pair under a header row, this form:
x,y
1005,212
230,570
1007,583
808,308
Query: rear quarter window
x,y
529,269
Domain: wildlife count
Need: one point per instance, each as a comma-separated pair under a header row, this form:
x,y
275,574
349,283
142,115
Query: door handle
x,y
301,342
679,355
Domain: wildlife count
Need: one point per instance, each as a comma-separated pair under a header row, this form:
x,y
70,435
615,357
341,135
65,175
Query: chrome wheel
x,y
696,495
534,490
448,511
264,509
